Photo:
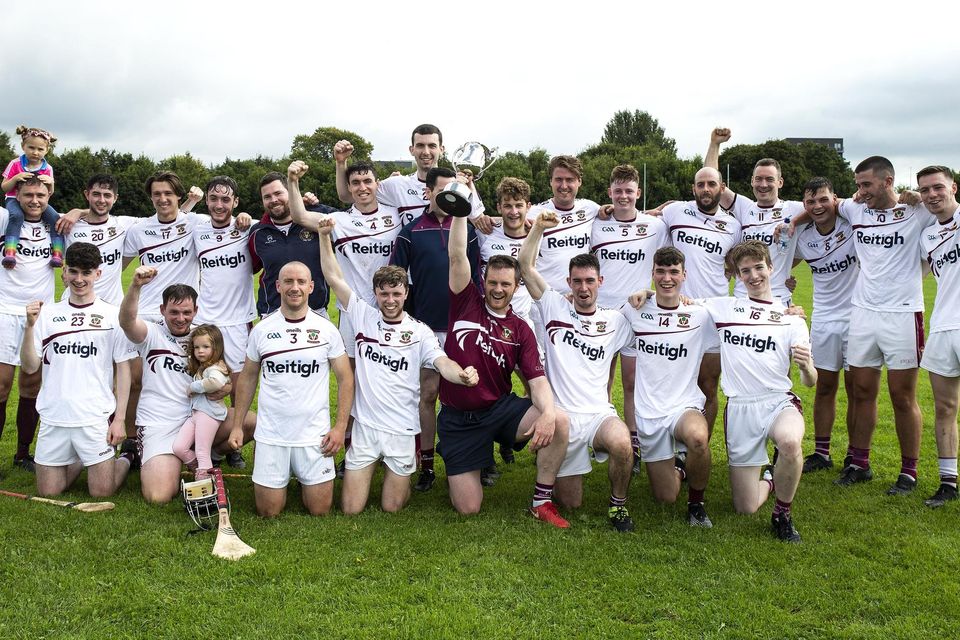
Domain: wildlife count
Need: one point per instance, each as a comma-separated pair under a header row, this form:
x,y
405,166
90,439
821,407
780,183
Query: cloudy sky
x,y
238,79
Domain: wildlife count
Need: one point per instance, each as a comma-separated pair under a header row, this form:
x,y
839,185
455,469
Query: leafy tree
x,y
637,128
798,163
7,148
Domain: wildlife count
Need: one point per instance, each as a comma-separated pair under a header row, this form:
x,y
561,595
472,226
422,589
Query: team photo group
x,y
470,330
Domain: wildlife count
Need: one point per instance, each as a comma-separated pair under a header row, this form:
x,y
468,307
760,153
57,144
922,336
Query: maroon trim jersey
x,y
495,345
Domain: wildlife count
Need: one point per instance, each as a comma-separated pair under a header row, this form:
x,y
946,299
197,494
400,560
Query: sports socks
x,y
426,459
781,508
542,494
822,446
3,415
948,471
908,467
861,458
27,418
695,496
635,443
617,502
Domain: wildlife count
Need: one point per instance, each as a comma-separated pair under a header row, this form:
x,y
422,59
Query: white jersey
x,y
834,266
226,272
941,247
364,242
78,343
496,243
625,251
578,350
704,240
108,236
407,194
888,248
169,247
569,238
163,399
759,223
293,408
389,357
755,341
32,278
668,344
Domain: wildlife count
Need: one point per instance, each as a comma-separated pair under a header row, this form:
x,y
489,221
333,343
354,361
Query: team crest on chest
x,y
306,236
112,231
683,319
181,229
506,333
777,214
405,336
642,229
775,316
234,233
898,214
581,215
721,225
387,221
313,335
601,326
95,320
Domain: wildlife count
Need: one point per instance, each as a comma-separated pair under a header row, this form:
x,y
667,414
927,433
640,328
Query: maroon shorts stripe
x,y
918,321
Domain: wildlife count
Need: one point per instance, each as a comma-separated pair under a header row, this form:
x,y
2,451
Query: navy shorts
x,y
466,437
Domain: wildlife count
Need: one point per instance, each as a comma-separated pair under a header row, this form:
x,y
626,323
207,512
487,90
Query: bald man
x,y
292,353
704,232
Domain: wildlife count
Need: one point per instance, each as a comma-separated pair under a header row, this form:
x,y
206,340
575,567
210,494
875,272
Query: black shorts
x,y
466,437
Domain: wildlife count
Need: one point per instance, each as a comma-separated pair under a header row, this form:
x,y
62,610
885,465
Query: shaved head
x,y
294,268
707,173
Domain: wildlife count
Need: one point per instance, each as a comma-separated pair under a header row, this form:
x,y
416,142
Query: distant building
x,y
834,143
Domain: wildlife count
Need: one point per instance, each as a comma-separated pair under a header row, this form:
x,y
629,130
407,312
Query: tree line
x,y
629,137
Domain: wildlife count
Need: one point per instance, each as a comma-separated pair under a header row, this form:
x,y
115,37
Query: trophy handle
x,y
493,155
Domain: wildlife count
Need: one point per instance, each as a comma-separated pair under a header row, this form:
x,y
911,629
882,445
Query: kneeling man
x,y
292,351
391,348
78,339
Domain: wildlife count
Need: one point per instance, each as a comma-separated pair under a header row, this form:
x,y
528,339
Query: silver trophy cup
x,y
472,157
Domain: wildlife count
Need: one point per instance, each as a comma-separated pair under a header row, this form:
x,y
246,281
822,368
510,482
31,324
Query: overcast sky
x,y
239,79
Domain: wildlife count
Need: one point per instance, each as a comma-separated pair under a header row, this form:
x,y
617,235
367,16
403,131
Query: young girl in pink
x,y
210,373
36,143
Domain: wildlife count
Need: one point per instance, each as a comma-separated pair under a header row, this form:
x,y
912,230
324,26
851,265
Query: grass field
x,y
870,566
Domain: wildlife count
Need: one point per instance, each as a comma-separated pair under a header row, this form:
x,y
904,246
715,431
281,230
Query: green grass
x,y
870,566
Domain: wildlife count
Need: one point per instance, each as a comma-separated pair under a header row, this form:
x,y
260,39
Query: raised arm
x,y
29,360
194,196
457,252
135,328
332,272
341,151
535,283
298,211
717,137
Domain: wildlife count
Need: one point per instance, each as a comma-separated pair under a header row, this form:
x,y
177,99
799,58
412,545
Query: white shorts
x,y
368,445
345,325
942,354
583,430
11,335
62,446
746,425
829,344
274,464
657,440
235,345
880,338
157,440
